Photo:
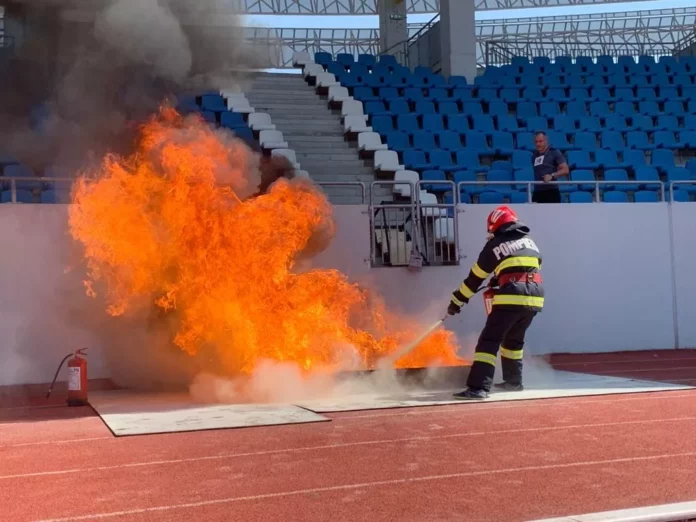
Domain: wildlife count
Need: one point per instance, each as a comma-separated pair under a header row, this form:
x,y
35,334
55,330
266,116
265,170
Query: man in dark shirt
x,y
549,165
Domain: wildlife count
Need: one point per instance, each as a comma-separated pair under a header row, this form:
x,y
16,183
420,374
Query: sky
x,y
372,21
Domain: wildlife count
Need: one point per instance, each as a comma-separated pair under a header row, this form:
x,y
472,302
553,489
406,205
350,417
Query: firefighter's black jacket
x,y
511,250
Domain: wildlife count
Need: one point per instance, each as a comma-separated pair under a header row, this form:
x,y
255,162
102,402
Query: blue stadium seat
x,y
646,175
537,123
376,109
458,123
518,198
502,165
586,141
491,198
434,175
433,123
469,160
508,123
367,60
679,196
213,102
382,124
424,140
323,58
6,196
532,94
559,140
365,94
650,108
580,159
398,141
465,199
498,108
462,95
472,108
521,159
663,160
425,107
442,159
564,123
668,122
399,106
448,107
619,175
646,196
525,141
503,143
615,196
416,160
338,70
523,175
643,123
450,141
591,124
549,109
499,176
407,123
483,123
232,120
580,175
246,135
580,197
612,140
476,141
639,140
345,59
526,110
466,176
616,122
666,140
209,116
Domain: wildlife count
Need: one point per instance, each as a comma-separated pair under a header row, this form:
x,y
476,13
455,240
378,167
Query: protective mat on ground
x,y
131,413
552,384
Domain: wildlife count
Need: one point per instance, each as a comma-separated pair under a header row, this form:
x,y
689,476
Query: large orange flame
x,y
172,225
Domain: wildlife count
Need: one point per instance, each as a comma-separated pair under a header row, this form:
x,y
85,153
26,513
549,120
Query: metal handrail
x,y
345,184
529,184
678,182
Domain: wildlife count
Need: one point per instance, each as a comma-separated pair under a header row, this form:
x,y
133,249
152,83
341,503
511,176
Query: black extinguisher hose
x,y
80,352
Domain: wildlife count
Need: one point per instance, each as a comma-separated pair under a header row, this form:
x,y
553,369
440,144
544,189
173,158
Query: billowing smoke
x,y
85,77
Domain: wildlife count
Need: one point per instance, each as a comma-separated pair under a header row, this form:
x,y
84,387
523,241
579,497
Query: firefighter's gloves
x,y
453,308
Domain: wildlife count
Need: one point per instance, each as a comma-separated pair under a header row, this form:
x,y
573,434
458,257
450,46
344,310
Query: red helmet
x,y
499,217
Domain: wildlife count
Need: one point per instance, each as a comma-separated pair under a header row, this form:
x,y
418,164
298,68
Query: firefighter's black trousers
x,y
505,329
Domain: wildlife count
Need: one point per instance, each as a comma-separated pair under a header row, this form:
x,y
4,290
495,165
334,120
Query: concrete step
x,y
341,157
309,149
309,141
285,92
319,176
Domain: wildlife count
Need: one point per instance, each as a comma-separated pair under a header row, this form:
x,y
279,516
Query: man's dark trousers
x,y
505,329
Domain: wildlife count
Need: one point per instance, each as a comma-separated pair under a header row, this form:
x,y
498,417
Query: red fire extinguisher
x,y
77,378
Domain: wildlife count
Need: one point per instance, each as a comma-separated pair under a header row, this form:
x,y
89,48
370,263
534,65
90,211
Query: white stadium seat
x,y
353,107
261,121
239,104
355,123
272,139
444,230
313,70
370,142
338,94
325,80
288,154
405,175
426,198
387,160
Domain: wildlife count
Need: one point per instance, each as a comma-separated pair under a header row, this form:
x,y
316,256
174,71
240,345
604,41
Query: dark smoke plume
x,y
85,76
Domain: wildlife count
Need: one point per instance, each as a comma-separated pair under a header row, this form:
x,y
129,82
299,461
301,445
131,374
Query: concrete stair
x,y
315,133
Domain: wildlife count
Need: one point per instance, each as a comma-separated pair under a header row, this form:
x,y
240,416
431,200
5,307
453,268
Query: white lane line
x,y
340,445
362,485
48,442
658,513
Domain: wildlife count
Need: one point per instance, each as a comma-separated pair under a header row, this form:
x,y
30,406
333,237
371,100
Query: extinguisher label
x,y
74,378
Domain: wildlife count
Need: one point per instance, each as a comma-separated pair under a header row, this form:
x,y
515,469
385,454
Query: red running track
x,y
511,461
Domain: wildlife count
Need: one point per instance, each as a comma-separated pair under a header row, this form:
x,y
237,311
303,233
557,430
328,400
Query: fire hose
x,y
404,350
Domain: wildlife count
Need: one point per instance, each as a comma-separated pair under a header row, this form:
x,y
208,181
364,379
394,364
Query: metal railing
x,y
502,51
356,184
596,184
678,182
32,185
412,232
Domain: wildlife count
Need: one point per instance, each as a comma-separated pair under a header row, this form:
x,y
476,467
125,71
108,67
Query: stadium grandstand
x,y
318,323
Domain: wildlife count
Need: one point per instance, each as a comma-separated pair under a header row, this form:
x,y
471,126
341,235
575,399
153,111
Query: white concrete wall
x,y
608,273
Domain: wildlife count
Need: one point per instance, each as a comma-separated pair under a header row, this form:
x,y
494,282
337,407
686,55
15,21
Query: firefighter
x,y
513,259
